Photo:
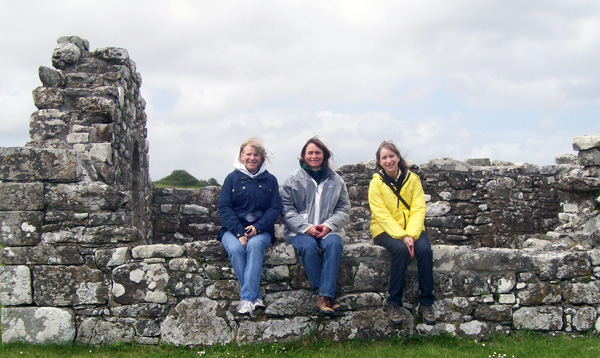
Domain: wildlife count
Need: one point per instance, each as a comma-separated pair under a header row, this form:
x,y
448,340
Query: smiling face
x,y
389,160
313,156
251,159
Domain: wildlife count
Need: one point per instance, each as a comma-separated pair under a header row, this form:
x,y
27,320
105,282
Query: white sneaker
x,y
245,307
259,305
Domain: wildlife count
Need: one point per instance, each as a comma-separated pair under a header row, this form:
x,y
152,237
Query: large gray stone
x,y
20,228
586,142
38,325
41,255
562,265
98,331
582,293
31,164
21,196
139,282
275,330
87,197
495,260
69,286
158,250
15,286
363,325
545,318
290,303
197,321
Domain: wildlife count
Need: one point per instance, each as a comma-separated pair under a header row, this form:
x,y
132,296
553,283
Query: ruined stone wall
x,y
92,254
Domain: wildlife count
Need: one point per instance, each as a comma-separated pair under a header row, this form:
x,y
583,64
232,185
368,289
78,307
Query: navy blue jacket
x,y
242,194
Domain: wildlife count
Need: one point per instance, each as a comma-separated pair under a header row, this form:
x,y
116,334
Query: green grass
x,y
517,345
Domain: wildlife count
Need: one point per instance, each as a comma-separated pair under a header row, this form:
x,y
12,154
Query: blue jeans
x,y
322,273
400,258
247,262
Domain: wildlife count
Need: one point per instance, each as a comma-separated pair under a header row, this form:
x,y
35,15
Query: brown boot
x,y
323,305
336,306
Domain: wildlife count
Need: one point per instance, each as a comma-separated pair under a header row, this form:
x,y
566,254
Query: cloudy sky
x,y
507,80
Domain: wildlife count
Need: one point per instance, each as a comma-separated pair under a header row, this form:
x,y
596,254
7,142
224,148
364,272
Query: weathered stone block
x,y
48,123
38,325
545,318
15,286
51,77
224,289
280,254
98,331
139,282
140,310
69,286
159,250
586,142
87,197
20,228
363,300
184,264
21,196
372,276
584,319
562,265
502,260
185,284
494,313
290,303
275,330
48,97
41,255
474,329
32,164
206,250
111,257
197,321
540,293
582,293
590,157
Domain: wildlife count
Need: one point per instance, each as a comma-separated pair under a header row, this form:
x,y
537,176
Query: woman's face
x,y
389,161
313,156
250,158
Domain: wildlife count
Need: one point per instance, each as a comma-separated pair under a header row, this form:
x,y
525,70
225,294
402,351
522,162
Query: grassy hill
x,y
184,180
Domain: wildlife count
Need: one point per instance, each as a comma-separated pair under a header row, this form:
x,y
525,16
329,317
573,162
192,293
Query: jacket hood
x,y
242,168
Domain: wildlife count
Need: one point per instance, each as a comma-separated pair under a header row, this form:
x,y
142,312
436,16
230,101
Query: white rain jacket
x,y
306,204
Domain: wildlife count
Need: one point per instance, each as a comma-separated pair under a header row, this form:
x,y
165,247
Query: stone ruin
x,y
92,253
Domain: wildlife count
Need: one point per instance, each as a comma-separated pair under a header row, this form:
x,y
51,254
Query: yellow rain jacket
x,y
390,215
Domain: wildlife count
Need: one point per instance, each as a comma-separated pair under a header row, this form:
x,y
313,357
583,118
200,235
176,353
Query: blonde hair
x,y
258,146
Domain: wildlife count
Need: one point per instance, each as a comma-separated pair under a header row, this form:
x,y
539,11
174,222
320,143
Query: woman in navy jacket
x,y
249,204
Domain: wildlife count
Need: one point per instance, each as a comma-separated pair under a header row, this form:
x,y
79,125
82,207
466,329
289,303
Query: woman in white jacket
x,y
315,209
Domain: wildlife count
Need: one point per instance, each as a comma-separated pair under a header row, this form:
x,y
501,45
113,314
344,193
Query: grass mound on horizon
x,y
184,180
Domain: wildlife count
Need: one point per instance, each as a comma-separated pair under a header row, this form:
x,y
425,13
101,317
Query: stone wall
x,y
92,254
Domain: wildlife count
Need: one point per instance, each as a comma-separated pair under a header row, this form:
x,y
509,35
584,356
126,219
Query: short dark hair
x,y
389,145
316,141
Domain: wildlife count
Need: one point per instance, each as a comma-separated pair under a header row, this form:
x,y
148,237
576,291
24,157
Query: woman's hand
x,y
410,243
318,231
250,231
244,241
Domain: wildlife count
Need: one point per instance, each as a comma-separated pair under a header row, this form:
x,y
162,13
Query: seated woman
x,y
249,204
398,209
315,209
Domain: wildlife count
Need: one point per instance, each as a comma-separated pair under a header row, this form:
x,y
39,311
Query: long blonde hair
x,y
258,146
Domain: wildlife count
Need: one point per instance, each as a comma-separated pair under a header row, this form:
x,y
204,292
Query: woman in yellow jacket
x,y
398,209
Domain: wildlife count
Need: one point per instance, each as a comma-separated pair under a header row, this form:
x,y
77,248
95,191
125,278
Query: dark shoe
x,y
336,306
395,314
428,314
324,306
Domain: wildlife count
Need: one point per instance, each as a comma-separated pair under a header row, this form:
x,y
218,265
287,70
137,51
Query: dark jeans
x,y
400,258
